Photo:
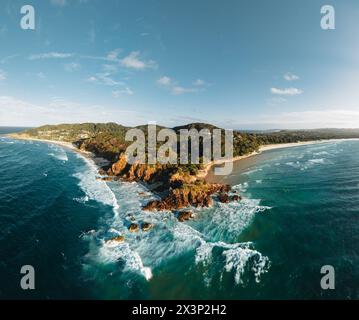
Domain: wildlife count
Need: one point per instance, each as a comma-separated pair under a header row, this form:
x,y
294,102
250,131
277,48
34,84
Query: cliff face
x,y
103,146
180,189
198,194
178,185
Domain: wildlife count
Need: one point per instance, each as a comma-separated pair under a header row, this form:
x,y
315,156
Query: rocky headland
x,y
178,186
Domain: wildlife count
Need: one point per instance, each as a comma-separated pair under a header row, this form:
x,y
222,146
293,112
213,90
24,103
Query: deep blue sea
x,y
300,212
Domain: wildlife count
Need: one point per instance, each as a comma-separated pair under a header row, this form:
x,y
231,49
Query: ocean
x,y
300,211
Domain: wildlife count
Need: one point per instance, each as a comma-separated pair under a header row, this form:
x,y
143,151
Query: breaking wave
x,y
142,252
239,258
95,189
58,153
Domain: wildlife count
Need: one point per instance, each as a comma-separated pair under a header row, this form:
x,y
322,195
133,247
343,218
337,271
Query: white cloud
x,y
177,90
109,68
133,61
199,82
51,55
16,112
41,75
290,76
72,66
125,91
113,55
105,79
286,91
164,81
91,79
59,3
2,75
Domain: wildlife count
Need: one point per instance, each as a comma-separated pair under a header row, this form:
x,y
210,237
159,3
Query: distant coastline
x,y
204,173
179,186
89,155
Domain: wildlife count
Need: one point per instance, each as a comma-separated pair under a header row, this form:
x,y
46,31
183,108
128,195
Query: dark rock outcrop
x,y
198,194
118,239
235,197
134,227
146,226
223,198
185,216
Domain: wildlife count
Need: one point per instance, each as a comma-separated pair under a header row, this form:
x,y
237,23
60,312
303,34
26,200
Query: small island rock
x,y
185,216
134,227
146,226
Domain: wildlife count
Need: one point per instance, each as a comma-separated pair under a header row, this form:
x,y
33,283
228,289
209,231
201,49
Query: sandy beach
x,y
26,137
203,173
65,144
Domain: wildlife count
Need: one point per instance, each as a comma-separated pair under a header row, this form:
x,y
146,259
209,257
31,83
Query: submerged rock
x,y
225,188
185,216
146,226
107,179
134,227
223,198
118,239
102,172
198,194
236,197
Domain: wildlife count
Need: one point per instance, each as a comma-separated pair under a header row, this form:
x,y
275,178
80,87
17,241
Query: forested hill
x,y
110,137
179,185
285,136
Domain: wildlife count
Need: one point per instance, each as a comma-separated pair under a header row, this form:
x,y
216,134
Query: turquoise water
x,y
300,212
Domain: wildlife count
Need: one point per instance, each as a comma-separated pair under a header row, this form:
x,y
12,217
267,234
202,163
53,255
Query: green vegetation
x,y
286,136
108,139
177,185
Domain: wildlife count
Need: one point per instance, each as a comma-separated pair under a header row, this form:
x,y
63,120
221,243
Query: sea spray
x,y
170,238
58,153
95,189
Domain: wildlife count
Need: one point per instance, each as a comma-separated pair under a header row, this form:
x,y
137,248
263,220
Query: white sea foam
x,y
239,258
131,258
317,161
321,153
231,219
296,164
242,187
249,172
143,251
95,189
81,199
58,153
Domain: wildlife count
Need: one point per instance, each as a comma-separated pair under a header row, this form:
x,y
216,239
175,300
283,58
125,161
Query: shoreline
x,y
86,154
202,174
263,148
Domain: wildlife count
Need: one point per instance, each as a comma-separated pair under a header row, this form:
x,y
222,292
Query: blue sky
x,y
247,64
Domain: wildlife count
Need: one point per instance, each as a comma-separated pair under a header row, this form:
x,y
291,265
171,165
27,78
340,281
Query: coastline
x,y
88,155
61,143
204,172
